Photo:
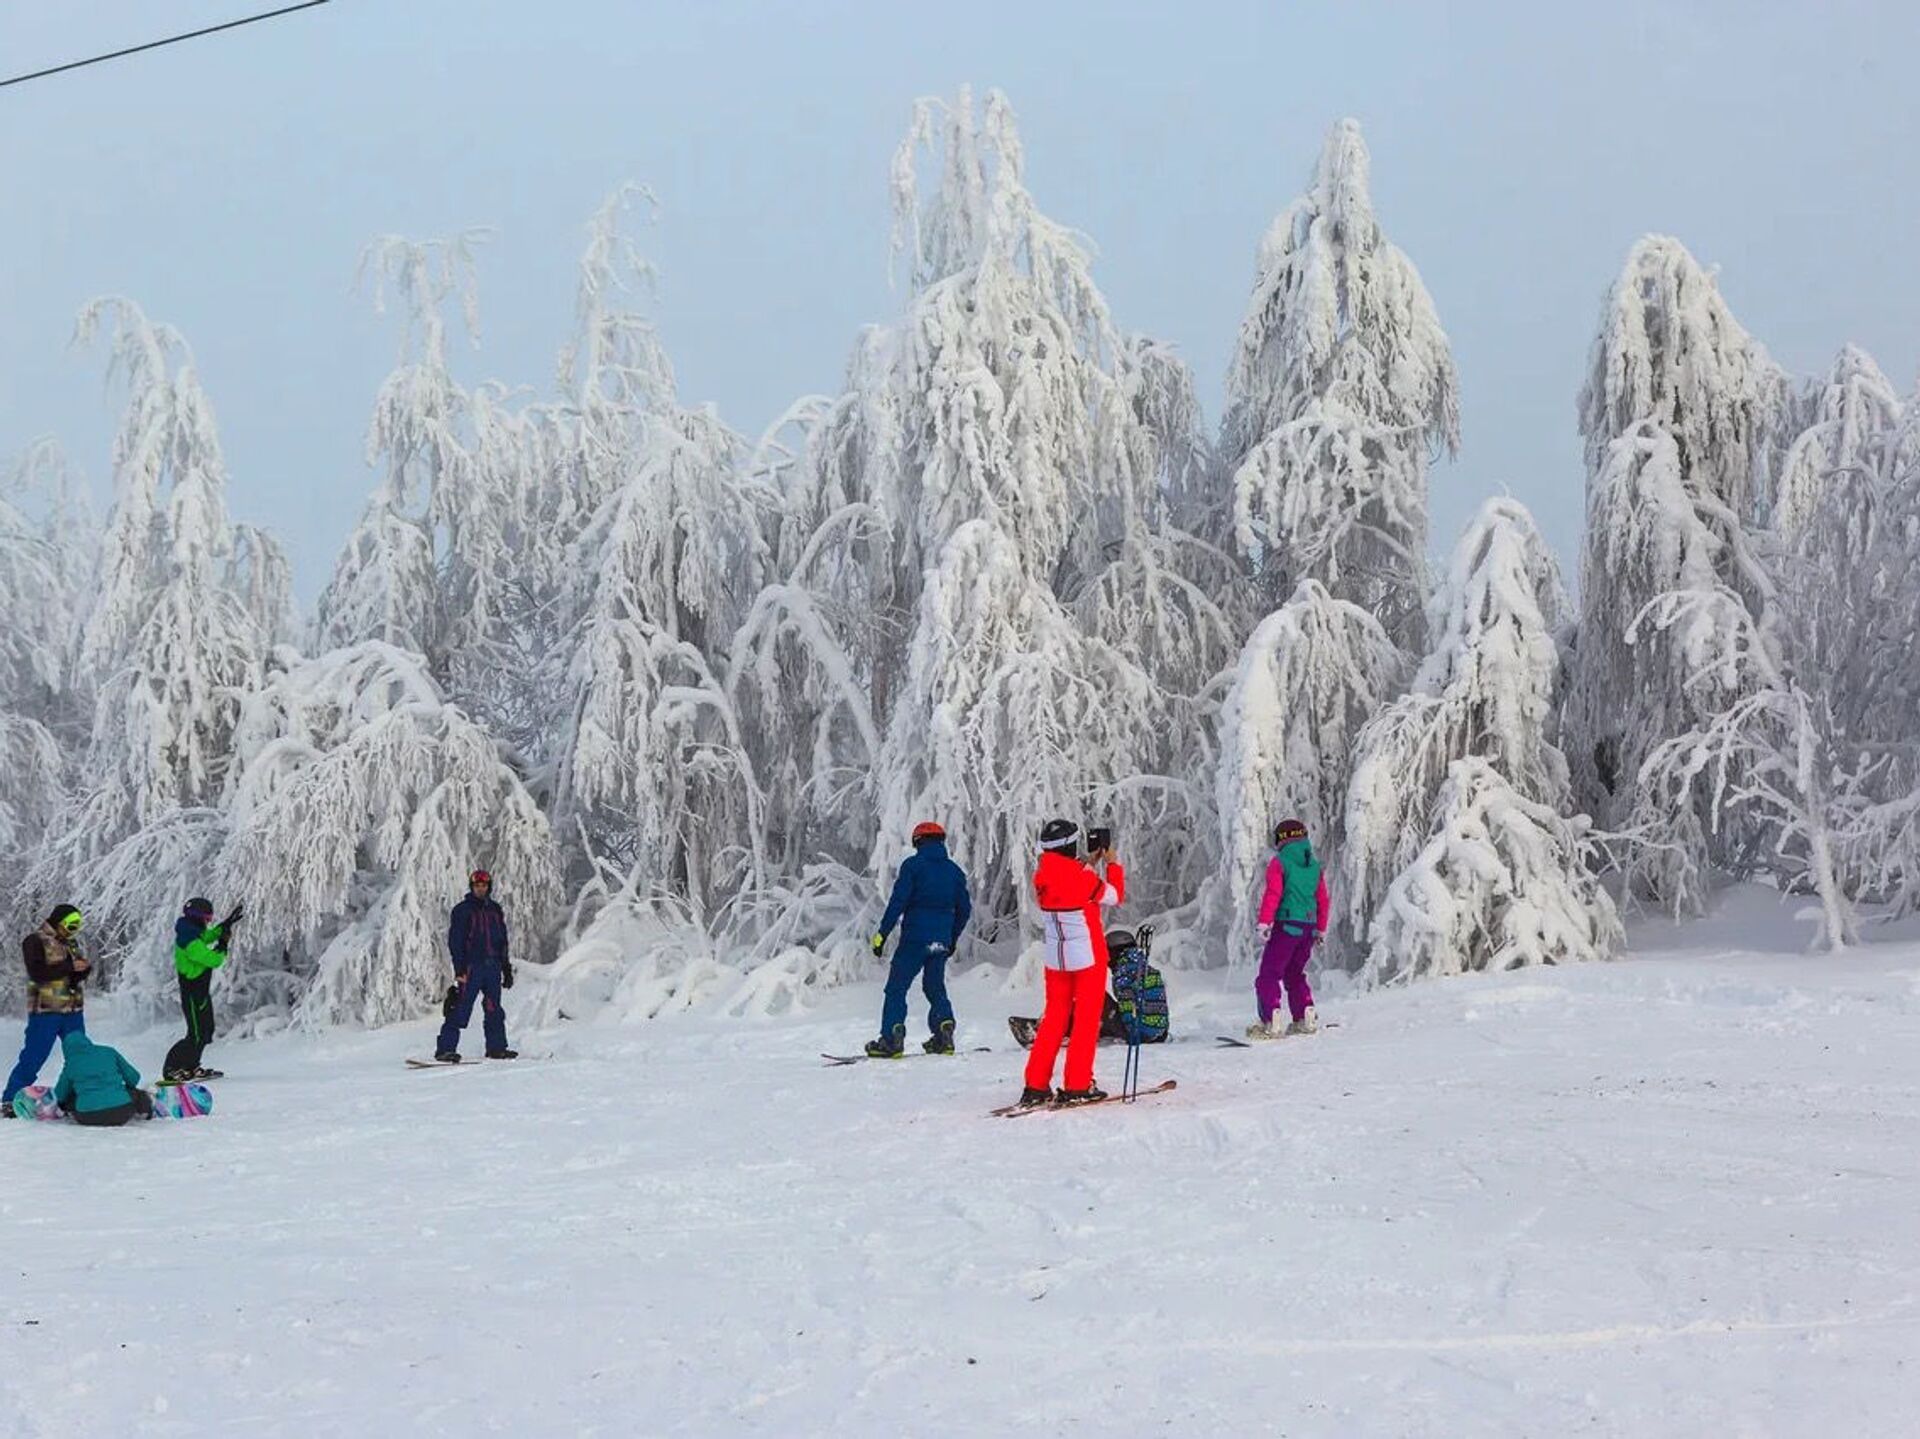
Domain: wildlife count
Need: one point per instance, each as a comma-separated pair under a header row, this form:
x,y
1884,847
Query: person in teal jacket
x,y
199,948
97,1087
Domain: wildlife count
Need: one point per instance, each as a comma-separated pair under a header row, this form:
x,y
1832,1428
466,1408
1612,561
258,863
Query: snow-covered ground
x,y
1674,1195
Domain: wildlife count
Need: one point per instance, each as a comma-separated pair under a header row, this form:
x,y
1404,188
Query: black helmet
x,y
1289,829
198,908
1120,940
1060,835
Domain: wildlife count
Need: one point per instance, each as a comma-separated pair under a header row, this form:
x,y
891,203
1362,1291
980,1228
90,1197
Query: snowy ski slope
x,y
1674,1195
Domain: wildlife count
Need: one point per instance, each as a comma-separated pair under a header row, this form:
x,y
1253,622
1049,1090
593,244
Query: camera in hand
x,y
1099,837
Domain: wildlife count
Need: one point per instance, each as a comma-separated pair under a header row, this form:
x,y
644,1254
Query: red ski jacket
x,y
1071,895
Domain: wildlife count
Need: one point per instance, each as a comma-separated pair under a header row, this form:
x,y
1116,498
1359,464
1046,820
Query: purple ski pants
x,y
1284,961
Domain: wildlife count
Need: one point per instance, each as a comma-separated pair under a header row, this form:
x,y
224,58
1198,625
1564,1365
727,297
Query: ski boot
x,y
179,1076
200,1074
446,1056
888,1046
1262,1029
1031,1098
1308,1023
941,1041
503,1054
1067,1098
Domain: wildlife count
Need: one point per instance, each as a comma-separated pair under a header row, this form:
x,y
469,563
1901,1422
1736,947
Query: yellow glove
x,y
879,944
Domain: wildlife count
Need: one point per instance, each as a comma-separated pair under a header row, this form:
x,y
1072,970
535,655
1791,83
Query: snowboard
x,y
1229,1042
440,1064
1014,1111
838,1059
180,1101
172,1083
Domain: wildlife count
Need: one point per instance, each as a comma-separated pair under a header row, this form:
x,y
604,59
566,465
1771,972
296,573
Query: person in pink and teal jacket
x,y
1293,914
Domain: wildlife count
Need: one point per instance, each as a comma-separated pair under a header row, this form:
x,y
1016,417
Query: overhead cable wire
x,y
156,44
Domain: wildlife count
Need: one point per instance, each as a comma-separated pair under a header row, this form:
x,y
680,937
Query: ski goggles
x,y
480,876
71,924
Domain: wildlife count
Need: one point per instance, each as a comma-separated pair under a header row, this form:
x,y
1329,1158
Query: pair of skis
x,y
1014,1111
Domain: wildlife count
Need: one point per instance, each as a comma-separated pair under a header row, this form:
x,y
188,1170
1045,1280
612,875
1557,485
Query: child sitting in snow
x,y
1293,914
97,1087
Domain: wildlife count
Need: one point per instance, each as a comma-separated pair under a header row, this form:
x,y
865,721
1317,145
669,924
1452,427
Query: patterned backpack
x,y
1138,988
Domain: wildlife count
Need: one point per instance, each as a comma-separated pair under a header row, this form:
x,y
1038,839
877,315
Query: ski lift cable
x,y
156,44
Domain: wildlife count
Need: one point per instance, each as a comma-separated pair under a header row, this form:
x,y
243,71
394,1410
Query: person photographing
x,y
199,948
1071,894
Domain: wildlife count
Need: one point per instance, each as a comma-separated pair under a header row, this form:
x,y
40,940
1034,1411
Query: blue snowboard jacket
x,y
477,934
94,1076
930,901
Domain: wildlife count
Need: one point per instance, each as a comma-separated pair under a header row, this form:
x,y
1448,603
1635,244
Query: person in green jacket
x,y
98,1087
199,948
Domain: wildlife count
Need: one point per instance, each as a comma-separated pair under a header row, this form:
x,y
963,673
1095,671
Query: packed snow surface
x,y
1671,1195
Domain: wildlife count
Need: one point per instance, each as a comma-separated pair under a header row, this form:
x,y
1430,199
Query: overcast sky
x,y
1518,149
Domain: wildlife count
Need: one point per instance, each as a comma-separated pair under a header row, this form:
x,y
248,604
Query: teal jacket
x,y
95,1077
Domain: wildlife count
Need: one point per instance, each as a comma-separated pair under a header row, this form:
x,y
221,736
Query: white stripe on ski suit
x,y
1069,935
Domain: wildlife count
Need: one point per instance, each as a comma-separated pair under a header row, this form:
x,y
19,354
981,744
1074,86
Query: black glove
x,y
234,916
506,974
452,1000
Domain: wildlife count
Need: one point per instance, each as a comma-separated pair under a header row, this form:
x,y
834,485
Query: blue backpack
x,y
1138,988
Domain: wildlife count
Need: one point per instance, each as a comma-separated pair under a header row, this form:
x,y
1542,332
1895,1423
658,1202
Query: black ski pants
x,y
139,1106
196,1003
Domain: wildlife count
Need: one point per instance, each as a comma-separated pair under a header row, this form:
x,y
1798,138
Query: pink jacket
x,y
1276,885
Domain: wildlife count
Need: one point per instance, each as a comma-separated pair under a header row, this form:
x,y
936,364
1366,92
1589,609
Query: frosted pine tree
x,y
361,801
1310,676
1681,414
172,646
1007,397
653,762
386,584
46,549
1340,389
1459,853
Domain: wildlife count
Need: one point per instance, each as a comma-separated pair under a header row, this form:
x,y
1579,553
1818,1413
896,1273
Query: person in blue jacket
x,y
97,1086
931,906
477,943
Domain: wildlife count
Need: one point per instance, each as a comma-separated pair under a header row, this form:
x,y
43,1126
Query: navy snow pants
x,y
482,982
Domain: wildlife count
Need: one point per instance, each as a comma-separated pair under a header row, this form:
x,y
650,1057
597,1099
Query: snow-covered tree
x,y
1681,413
1340,389
1009,715
1310,676
46,546
1459,790
169,644
1502,882
387,583
361,802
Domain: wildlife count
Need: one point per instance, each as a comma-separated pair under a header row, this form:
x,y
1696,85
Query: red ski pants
x,y
1075,993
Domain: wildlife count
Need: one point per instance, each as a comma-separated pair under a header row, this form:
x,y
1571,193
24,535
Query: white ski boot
x,y
1308,1023
1258,1031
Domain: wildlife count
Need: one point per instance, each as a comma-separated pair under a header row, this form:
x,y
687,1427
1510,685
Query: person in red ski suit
x,y
1071,895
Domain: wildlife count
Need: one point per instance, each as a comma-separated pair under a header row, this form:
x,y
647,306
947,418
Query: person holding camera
x,y
199,948
55,1002
1071,895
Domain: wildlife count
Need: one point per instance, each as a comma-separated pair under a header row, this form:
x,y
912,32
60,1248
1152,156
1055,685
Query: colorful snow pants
x,y
1079,995
481,981
1284,961
928,965
196,1003
44,1031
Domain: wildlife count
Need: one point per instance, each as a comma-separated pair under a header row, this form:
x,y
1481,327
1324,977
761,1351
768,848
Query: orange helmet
x,y
926,830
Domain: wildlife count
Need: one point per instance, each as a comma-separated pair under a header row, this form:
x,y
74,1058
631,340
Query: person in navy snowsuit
x,y
477,941
931,905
